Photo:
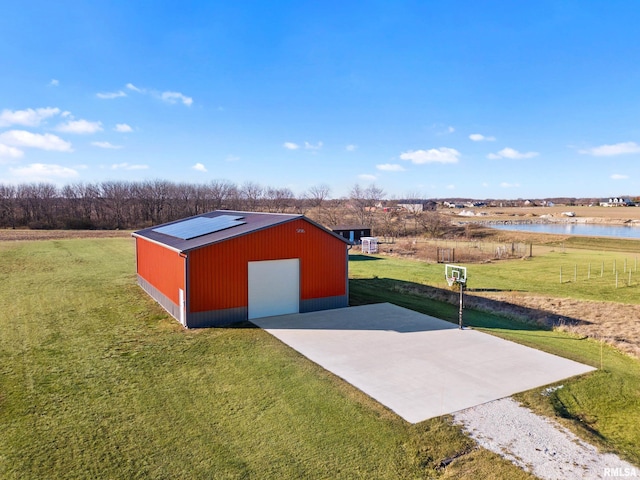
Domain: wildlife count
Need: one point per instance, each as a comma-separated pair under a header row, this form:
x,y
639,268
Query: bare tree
x,y
8,206
364,202
251,195
317,195
278,199
334,213
221,194
434,224
114,196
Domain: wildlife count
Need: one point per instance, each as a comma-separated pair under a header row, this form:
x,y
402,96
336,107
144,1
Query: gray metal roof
x,y
250,222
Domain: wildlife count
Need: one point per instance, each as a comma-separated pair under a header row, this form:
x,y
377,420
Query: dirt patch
x,y
30,235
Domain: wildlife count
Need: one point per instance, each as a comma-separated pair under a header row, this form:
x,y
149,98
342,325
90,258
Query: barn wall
x,y
218,274
160,268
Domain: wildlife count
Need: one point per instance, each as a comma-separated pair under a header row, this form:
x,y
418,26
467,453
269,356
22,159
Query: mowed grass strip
x,y
96,381
581,273
602,407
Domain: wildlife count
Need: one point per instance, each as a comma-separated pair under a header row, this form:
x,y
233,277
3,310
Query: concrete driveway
x,y
416,365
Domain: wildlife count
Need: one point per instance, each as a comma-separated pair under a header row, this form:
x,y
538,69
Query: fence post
x,y
560,273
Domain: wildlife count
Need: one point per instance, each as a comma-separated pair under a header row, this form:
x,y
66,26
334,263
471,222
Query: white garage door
x,y
274,288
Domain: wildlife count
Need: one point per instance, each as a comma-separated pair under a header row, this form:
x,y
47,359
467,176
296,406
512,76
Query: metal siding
x,y
161,267
216,318
326,303
218,277
168,305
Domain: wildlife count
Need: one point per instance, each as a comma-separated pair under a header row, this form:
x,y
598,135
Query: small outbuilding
x,y
353,233
225,267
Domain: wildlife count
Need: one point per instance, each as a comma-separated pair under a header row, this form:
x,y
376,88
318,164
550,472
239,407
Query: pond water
x,y
591,230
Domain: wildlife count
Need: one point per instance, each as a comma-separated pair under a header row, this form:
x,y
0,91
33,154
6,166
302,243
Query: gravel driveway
x,y
537,444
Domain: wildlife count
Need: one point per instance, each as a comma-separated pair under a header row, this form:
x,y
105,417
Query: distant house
x,y
453,205
417,206
617,202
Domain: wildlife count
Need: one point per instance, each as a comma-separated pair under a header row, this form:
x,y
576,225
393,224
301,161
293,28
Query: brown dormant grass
x,y
26,234
615,323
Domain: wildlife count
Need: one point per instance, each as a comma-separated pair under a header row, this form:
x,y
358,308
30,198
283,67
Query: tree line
x,y
115,204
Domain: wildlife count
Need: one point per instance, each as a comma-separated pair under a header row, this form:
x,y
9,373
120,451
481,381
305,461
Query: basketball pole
x,y
460,312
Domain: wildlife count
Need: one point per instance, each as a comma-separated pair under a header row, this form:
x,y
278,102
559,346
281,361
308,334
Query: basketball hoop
x,y
456,275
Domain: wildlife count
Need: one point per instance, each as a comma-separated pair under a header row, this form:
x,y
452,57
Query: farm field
x,y
96,380
596,214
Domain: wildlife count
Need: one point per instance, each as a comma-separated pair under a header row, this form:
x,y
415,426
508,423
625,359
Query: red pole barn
x,y
224,267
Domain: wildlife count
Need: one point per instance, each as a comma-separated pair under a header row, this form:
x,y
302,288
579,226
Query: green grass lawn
x,y
96,381
581,273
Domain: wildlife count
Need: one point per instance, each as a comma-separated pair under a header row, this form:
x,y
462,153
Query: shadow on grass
x,y
361,258
444,304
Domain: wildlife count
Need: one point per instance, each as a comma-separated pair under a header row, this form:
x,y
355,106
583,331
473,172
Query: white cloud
x,y
232,158
123,128
80,127
619,176
443,130
434,155
111,95
106,145
173,97
131,86
28,117
291,146
512,154
126,166
47,141
43,172
54,82
367,176
615,149
509,185
199,167
390,167
351,148
451,187
10,152
478,137
309,146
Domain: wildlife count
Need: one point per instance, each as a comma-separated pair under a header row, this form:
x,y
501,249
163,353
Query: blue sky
x,y
426,98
